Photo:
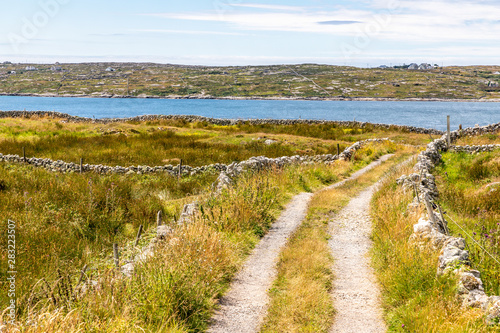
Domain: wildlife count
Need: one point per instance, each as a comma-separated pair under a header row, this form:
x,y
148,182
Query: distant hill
x,y
305,81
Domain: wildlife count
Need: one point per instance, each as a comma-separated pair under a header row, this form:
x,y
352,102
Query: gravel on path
x,y
243,308
355,292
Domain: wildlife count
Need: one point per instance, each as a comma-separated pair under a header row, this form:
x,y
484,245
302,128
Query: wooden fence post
x,y
116,255
443,221
24,154
81,165
138,235
180,170
82,275
430,211
159,221
338,149
416,192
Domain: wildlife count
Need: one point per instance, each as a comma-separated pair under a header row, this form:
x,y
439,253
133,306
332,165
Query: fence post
x,y
416,192
138,235
81,165
82,275
448,134
116,255
430,211
180,170
338,149
443,221
159,221
24,154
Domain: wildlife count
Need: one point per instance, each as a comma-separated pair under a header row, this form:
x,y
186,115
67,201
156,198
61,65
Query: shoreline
x,y
276,98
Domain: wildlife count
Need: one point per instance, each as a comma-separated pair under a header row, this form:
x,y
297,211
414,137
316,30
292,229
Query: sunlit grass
x,y
300,297
467,189
414,297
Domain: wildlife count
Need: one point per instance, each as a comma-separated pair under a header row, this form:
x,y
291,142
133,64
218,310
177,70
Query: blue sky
x,y
238,32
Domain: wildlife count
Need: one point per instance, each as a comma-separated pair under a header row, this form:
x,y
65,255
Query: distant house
x,y
110,69
31,68
56,68
413,66
383,66
424,67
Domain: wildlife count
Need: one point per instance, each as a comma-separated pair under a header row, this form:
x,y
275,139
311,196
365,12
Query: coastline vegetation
x,y
280,81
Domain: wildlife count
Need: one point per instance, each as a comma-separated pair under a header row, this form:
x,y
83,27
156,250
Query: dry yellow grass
x,y
300,298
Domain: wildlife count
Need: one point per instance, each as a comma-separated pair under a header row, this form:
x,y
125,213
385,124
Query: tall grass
x,y
166,141
65,221
463,186
87,213
300,297
414,297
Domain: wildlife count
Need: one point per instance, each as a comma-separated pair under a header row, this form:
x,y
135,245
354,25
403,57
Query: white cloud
x,y
191,32
270,7
403,20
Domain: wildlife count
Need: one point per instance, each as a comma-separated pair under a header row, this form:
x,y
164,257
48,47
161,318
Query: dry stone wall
x,y
433,231
215,121
254,163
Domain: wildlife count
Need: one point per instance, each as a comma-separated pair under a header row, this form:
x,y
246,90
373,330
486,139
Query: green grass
x,y
167,141
463,186
414,297
66,221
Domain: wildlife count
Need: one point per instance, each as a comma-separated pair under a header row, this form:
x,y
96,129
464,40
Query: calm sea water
x,y
421,114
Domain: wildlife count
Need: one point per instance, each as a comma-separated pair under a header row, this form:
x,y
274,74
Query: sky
x,y
256,32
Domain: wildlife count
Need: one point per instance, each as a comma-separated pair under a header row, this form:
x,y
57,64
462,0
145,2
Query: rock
x,y
162,231
451,257
493,313
188,213
128,269
223,182
270,142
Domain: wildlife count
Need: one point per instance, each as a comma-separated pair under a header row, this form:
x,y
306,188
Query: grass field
x,y
66,221
168,141
469,187
281,81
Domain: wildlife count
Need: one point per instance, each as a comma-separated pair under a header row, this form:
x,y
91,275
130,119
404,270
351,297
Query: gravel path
x,y
244,307
355,290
